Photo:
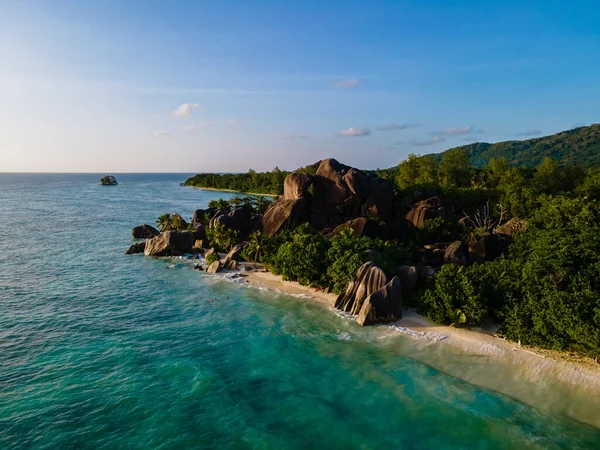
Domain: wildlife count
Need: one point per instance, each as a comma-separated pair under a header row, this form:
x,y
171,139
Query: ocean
x,y
103,350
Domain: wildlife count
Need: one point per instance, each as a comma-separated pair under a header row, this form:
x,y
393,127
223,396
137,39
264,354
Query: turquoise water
x,y
103,350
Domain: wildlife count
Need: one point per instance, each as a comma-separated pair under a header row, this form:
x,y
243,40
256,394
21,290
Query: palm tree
x,y
222,237
256,246
165,222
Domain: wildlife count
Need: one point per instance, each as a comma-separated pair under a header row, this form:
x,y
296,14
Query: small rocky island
x,y
108,180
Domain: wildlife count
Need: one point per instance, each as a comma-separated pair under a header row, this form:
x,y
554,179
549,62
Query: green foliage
x,y
556,279
108,180
252,181
546,292
311,259
220,203
454,169
417,170
255,204
177,223
435,230
456,288
579,146
165,222
211,258
255,249
221,237
301,258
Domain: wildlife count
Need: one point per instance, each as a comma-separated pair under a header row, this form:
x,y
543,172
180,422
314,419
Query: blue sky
x,y
187,86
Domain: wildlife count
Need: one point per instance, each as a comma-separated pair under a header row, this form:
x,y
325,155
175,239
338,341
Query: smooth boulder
x,y
144,232
455,254
170,243
214,267
383,305
296,185
283,214
230,260
138,247
238,220
369,278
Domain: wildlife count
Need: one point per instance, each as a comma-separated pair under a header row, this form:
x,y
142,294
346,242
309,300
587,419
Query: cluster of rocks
x,y
179,243
335,195
371,297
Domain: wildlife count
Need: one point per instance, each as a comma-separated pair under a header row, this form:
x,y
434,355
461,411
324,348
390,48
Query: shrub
x,y
211,258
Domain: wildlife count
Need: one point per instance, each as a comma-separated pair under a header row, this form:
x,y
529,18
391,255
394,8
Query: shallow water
x,y
103,350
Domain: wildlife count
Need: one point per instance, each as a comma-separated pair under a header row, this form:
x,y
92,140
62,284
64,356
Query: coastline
x,y
525,373
231,191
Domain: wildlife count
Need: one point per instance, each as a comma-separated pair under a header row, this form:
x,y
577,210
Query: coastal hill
x,y
578,146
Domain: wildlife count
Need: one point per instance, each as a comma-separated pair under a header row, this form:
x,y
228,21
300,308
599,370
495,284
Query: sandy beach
x,y
557,381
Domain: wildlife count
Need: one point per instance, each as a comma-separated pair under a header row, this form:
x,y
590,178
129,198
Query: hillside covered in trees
x,y
572,147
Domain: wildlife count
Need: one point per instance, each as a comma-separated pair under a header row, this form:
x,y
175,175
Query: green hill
x,y
577,146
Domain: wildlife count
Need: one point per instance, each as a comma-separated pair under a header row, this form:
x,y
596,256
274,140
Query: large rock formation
x,y
335,194
296,185
214,267
384,305
371,297
230,260
238,220
284,214
455,254
170,243
423,210
144,232
512,227
368,279
198,216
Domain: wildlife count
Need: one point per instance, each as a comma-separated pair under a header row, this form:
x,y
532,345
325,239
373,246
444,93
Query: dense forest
x,y
249,182
577,146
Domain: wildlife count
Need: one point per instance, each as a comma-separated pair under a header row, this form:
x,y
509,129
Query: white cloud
x,y
162,133
295,137
188,128
455,131
231,122
346,84
396,127
353,132
185,109
434,140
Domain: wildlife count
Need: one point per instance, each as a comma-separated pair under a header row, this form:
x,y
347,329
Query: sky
x,y
199,86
